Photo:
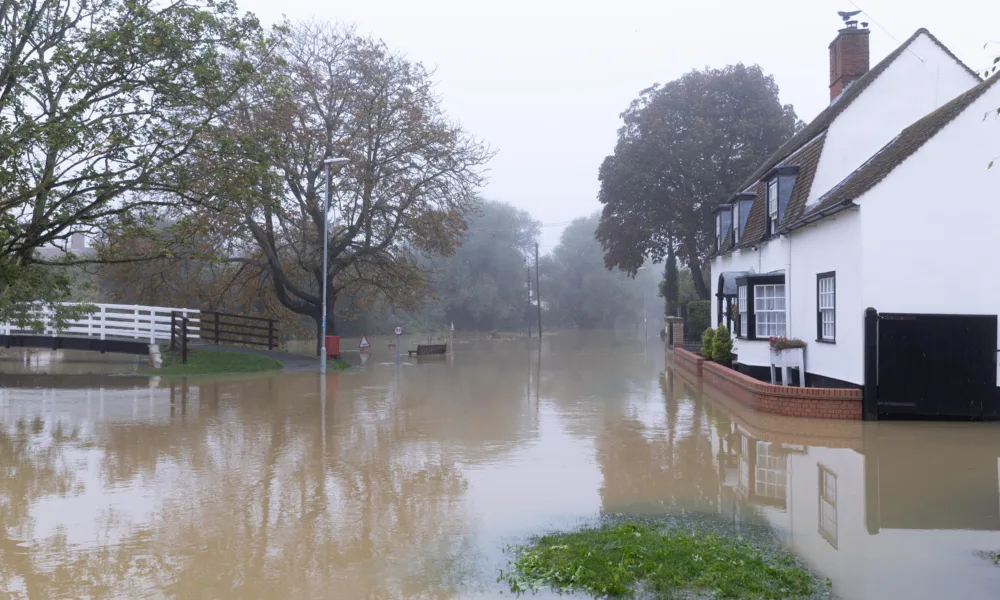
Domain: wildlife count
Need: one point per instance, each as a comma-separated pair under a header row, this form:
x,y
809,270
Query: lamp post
x,y
329,162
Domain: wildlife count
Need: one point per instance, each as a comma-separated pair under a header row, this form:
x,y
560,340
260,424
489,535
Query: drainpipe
x,y
788,291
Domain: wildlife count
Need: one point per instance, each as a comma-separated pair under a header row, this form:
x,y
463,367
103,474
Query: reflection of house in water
x,y
885,510
886,518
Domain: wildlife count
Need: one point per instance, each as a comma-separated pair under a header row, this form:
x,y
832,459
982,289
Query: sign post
x,y
451,337
364,346
399,332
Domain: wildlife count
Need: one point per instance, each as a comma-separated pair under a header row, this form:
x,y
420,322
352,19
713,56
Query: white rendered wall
x,y
920,80
931,229
833,244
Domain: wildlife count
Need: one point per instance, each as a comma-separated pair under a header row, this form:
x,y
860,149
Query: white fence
x,y
115,321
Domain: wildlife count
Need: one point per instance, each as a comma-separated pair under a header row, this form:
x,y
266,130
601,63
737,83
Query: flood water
x,y
406,482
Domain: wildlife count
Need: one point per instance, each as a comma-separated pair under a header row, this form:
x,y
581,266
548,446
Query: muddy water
x,y
406,482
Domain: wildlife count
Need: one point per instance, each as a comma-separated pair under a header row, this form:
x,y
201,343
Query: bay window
x,y
769,310
744,314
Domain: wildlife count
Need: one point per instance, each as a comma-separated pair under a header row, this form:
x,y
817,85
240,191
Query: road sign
x,y
398,330
364,345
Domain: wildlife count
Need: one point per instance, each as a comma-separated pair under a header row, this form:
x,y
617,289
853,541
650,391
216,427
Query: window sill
x,y
833,341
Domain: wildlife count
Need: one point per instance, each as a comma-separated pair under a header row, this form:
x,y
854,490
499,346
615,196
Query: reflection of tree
x,y
248,502
651,469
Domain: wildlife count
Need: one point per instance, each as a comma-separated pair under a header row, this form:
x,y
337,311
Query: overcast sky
x,y
543,81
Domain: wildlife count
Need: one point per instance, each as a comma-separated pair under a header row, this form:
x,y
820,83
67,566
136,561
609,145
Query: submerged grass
x,y
648,558
205,362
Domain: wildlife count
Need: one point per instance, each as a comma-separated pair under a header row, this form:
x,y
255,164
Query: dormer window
x,y
736,223
722,225
772,206
718,230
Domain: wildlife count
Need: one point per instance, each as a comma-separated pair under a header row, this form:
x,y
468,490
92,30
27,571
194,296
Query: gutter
x,y
813,217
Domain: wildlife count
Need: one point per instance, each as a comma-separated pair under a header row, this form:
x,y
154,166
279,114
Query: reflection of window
x,y
828,505
744,465
771,473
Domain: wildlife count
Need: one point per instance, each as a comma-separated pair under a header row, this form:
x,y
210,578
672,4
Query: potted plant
x,y
785,354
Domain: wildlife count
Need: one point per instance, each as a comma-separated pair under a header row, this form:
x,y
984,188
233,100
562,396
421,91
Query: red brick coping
x,y
819,403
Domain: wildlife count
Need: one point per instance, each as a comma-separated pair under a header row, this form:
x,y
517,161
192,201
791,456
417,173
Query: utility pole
x,y
538,295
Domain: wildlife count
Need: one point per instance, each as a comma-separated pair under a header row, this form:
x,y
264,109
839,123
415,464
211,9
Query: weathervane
x,y
848,17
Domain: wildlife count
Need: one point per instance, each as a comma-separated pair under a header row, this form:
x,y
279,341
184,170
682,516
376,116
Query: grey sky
x,y
544,81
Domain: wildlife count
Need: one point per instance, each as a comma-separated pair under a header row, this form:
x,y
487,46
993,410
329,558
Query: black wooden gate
x,y
936,365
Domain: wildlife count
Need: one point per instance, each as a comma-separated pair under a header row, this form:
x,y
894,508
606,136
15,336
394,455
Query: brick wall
x,y
820,403
688,360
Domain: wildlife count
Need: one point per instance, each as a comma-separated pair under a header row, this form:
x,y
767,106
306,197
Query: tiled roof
x,y
825,118
891,155
807,159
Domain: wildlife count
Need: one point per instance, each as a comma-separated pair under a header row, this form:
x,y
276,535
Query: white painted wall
x,y
920,80
834,244
931,229
769,256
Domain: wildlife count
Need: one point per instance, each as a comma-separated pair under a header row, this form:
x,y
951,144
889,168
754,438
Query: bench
x,y
426,349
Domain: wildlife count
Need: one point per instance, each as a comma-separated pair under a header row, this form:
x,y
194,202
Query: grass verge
x,y
648,558
338,365
207,362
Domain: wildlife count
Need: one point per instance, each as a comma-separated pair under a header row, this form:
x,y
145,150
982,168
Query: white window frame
x,y
772,206
826,306
741,305
828,505
769,310
718,231
736,223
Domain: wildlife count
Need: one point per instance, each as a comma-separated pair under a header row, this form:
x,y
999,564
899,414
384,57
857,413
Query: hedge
x,y
699,318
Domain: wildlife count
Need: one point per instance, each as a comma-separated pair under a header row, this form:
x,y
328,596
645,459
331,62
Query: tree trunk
x,y
699,281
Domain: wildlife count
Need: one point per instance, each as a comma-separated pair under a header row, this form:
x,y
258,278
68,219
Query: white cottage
x,y
885,201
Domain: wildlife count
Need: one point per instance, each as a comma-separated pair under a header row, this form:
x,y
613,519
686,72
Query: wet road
x,y
406,482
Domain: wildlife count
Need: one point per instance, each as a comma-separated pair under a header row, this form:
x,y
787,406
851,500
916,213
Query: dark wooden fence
x,y
179,326
228,328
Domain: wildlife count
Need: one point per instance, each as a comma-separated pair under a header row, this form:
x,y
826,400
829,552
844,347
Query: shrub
x,y
722,346
707,341
699,316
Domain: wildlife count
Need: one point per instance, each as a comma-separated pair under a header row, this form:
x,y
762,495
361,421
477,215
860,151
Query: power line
x,y
887,32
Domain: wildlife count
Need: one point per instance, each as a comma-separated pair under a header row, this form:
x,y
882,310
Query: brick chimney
x,y
849,57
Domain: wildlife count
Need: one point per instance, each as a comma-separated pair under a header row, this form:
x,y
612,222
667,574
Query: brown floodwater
x,y
406,482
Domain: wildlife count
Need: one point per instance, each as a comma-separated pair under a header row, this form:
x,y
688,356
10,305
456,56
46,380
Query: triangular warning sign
x,y
364,345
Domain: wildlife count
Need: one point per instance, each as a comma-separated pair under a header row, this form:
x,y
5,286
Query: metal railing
x,y
111,321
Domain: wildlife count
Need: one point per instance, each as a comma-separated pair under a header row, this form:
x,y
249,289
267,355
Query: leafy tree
x,y
683,149
670,288
98,100
410,182
483,285
577,290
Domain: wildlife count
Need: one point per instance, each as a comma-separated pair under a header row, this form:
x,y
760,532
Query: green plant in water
x,y
707,340
722,346
617,560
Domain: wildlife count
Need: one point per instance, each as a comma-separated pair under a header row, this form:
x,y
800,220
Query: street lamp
x,y
335,163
